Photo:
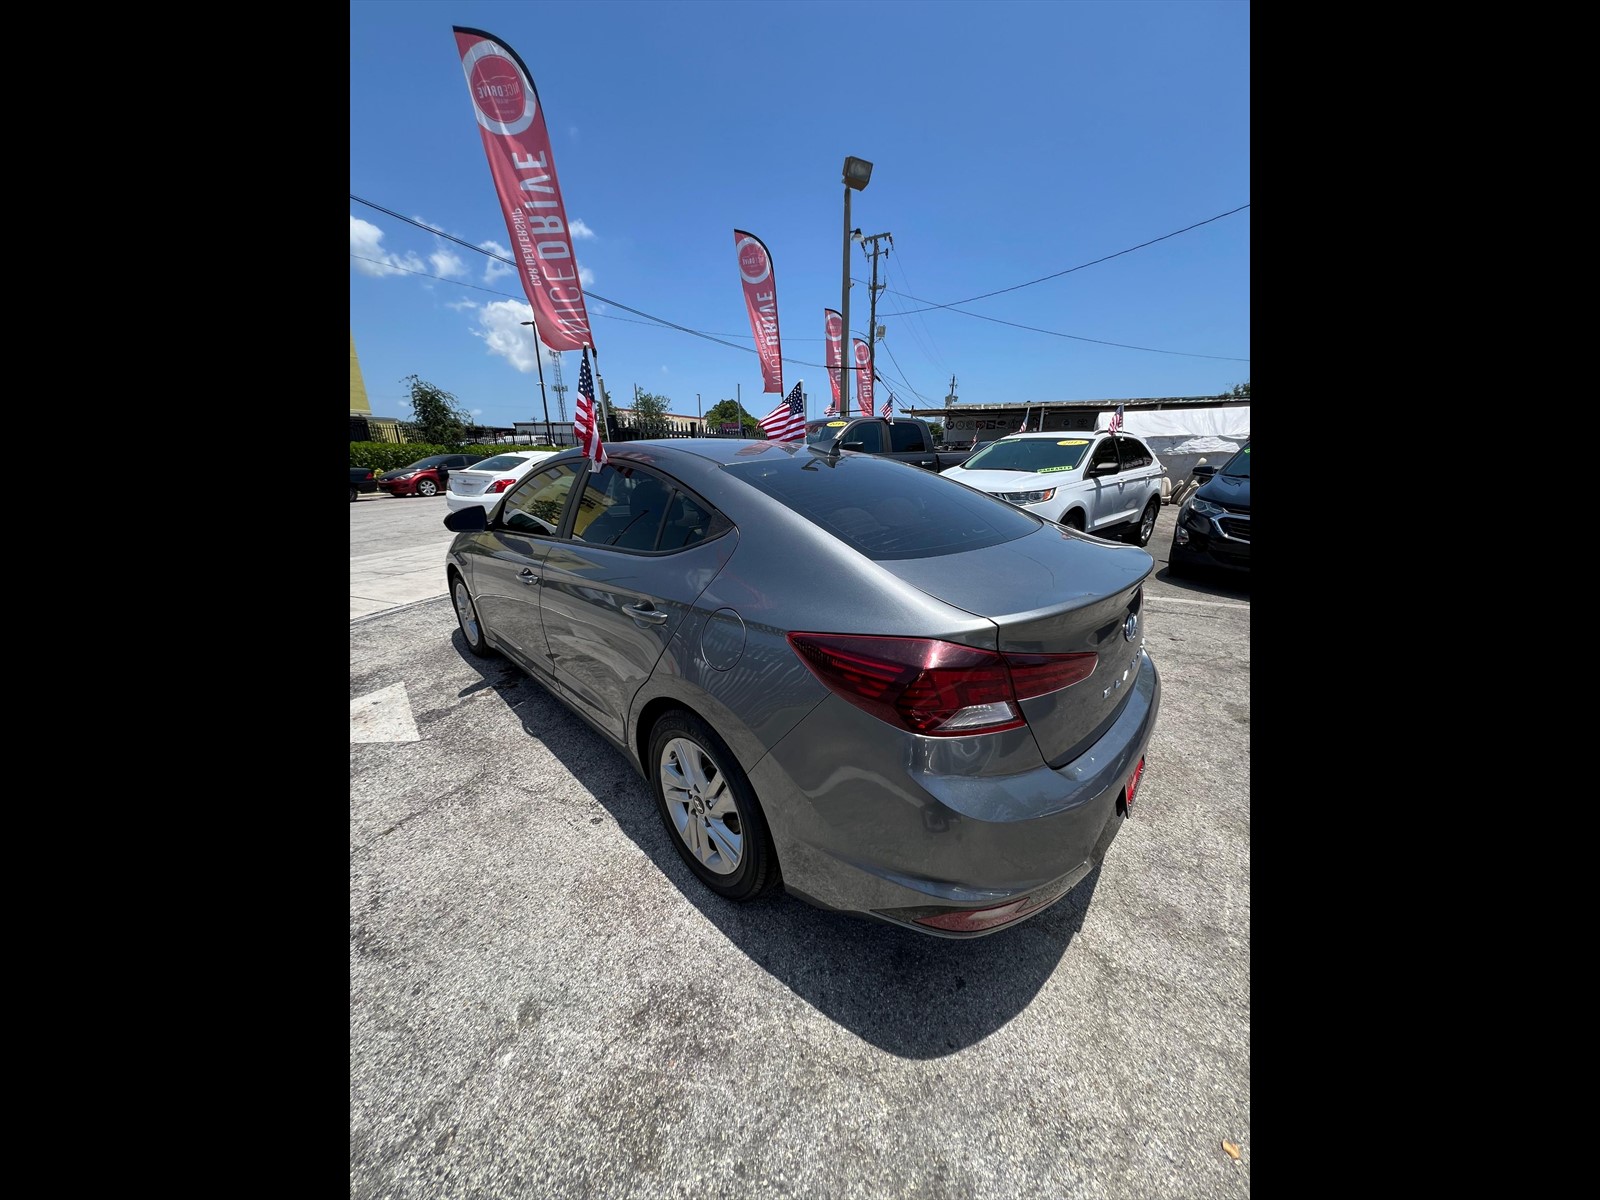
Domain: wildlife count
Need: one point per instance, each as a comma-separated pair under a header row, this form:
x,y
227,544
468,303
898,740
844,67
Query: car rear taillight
x,y
499,485
935,687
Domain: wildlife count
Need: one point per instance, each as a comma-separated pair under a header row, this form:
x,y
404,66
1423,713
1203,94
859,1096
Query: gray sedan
x,y
883,690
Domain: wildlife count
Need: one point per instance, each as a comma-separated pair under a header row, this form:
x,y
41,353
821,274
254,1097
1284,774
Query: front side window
x,y
537,504
1134,452
870,437
1104,453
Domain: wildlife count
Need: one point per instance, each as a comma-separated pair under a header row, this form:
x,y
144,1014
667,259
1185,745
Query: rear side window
x,y
906,437
885,509
631,509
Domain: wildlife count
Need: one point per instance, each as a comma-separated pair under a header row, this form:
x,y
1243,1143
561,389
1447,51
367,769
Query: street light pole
x,y
538,357
857,171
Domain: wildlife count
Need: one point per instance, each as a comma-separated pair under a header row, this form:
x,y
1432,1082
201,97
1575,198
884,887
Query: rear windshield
x,y
1032,455
500,462
883,509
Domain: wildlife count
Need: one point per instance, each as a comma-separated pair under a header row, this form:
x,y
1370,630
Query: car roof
x,y
1054,434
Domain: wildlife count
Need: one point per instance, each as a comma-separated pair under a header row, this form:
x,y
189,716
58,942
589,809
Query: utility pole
x,y
538,357
949,404
560,389
872,308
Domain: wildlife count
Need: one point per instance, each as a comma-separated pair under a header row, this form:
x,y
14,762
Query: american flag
x,y
1025,412
583,421
833,409
787,422
888,408
1116,421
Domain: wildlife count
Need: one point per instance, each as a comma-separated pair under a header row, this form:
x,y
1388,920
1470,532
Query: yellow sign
x,y
1074,442
837,424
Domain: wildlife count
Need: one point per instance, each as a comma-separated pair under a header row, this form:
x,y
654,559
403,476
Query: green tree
x,y
1241,391
729,410
650,413
436,415
937,430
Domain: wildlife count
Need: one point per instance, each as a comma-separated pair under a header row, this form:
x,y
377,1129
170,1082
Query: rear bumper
x,y
885,836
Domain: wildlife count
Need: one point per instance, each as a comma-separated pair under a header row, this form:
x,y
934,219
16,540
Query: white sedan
x,y
482,484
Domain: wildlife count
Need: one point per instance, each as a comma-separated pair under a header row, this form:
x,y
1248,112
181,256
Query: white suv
x,y
1107,484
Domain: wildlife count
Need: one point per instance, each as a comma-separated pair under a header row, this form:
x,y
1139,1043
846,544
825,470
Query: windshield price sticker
x,y
1074,442
1047,470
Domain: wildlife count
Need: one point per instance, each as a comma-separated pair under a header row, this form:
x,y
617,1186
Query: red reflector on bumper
x,y
970,920
1133,783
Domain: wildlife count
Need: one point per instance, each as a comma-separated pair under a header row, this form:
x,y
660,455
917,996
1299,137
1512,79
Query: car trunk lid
x,y
1064,593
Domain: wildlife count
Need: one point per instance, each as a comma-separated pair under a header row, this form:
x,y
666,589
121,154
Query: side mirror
x,y
468,520
852,445
1098,469
1204,471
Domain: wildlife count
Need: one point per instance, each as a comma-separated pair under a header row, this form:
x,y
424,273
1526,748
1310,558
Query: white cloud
x,y
579,230
447,263
368,256
500,326
461,305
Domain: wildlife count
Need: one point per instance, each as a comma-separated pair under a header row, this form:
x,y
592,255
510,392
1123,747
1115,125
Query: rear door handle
x,y
526,575
646,611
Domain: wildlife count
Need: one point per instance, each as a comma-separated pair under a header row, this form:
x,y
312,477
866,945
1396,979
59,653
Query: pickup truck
x,y
906,438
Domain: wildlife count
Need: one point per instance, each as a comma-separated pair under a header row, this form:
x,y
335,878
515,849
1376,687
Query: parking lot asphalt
x,y
544,1002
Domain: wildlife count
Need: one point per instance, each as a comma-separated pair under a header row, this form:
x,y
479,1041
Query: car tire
x,y
709,808
1073,520
1140,533
427,488
352,494
1175,569
467,617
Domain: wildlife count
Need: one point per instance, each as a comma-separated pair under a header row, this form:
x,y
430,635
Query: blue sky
x,y
1011,142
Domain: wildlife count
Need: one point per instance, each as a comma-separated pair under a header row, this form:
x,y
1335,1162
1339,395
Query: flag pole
x,y
602,420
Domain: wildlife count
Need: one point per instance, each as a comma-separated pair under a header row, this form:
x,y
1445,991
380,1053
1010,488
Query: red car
x,y
426,476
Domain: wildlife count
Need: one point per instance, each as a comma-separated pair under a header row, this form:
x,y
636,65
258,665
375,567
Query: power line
x,y
1107,258
662,321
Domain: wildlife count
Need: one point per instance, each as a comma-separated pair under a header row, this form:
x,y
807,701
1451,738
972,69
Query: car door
x,y
1104,479
616,588
1141,475
508,561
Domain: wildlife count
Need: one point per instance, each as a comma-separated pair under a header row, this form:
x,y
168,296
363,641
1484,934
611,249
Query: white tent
x,y
1172,432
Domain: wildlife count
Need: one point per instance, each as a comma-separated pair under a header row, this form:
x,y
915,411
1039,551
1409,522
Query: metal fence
x,y
532,433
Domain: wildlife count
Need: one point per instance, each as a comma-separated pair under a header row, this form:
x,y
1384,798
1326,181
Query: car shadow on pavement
x,y
908,993
1208,580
